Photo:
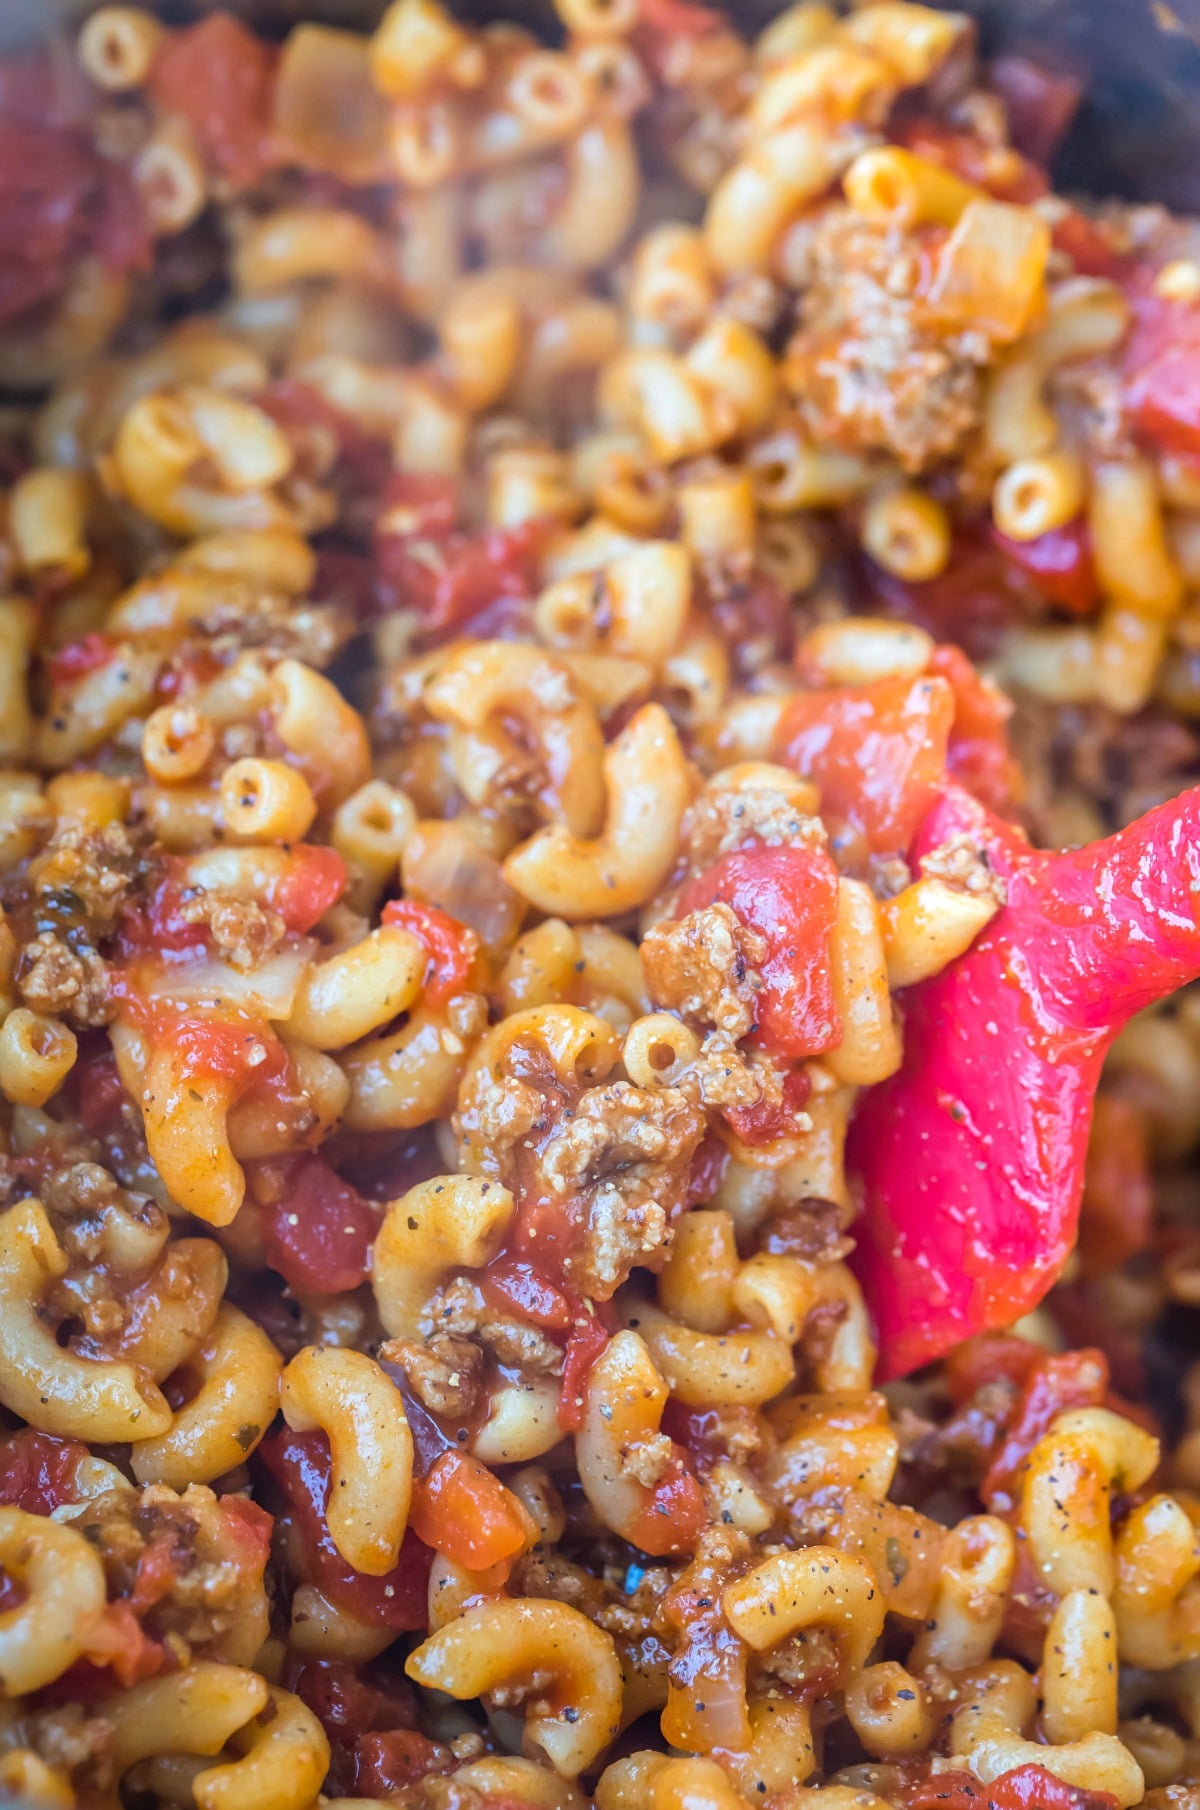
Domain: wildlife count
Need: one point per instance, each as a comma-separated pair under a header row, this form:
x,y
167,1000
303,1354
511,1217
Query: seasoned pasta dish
x,y
599,1086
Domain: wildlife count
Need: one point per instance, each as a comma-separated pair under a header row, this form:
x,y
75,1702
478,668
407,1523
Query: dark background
x,y
1138,134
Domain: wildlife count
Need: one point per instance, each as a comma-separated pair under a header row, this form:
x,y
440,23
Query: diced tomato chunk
x,y
1034,1788
973,602
237,1050
247,1529
1072,1379
452,578
100,1095
300,1465
1059,564
877,753
978,754
350,1700
318,1231
37,1471
158,1571
681,18
220,77
789,895
390,1760
450,945
1088,243
78,658
1161,364
1024,1788
461,1508
419,505
707,1168
117,1646
59,199
674,1516
313,880
363,458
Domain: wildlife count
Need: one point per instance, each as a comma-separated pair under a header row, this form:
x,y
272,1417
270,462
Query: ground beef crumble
x,y
460,1311
62,982
754,801
243,932
616,1157
704,966
866,375
625,1153
444,1371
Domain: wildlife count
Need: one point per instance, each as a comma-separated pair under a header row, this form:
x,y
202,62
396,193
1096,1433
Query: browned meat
x,y
704,966
865,373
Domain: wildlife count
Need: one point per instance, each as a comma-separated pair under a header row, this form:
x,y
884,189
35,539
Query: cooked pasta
x,y
542,588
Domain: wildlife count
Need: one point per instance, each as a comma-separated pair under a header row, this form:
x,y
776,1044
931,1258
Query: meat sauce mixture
x,y
599,684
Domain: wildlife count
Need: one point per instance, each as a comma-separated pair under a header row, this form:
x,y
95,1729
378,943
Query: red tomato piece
x,y
99,1093
674,1516
789,895
72,662
390,1760
1162,370
59,199
298,408
764,1123
41,87
513,1285
238,1050
350,1701
247,1528
1033,1788
37,1471
1059,564
155,924
158,1570
877,753
1088,243
299,1463
450,945
220,77
1024,1788
319,1232
119,1645
708,1166
313,880
681,19
1072,1379
989,1357
464,1510
972,602
978,755
420,505
454,578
